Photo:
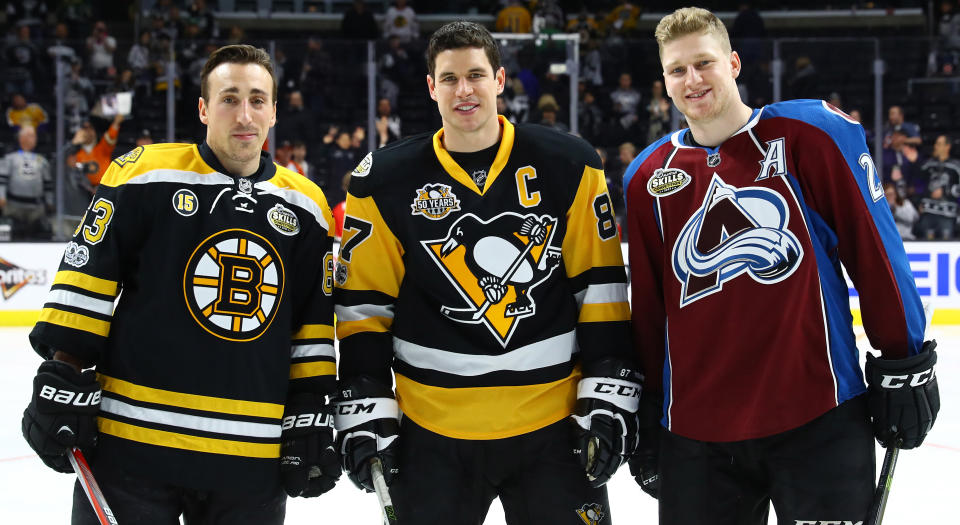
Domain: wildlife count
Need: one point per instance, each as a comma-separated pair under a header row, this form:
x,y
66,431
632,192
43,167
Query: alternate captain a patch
x,y
735,231
494,265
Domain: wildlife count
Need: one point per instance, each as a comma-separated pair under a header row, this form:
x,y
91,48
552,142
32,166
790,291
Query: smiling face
x,y
239,113
465,87
700,76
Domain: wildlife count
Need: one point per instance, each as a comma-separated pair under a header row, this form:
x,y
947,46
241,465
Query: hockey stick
x,y
882,493
383,492
90,487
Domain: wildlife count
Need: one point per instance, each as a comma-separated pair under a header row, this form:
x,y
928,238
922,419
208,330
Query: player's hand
x,y
605,418
903,397
645,462
62,413
309,464
367,420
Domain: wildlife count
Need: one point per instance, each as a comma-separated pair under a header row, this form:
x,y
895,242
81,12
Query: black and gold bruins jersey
x,y
483,301
225,305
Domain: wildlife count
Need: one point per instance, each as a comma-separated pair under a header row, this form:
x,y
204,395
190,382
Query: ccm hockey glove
x,y
645,462
368,425
309,464
605,418
62,413
903,397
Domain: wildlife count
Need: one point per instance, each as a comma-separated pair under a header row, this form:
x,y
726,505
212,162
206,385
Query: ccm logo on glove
x,y
915,380
619,390
67,397
346,409
308,420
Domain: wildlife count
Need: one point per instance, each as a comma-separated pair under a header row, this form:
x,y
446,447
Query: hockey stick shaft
x,y
383,492
89,483
883,486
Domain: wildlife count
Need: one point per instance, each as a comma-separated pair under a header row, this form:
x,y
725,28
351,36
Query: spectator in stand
x,y
296,122
139,56
856,115
548,114
26,188
622,20
905,215
804,83
358,140
395,68
626,153
938,207
835,100
548,17
659,110
387,123
80,94
203,17
517,100
401,21
340,161
358,23
948,28
894,123
314,75
21,113
61,48
22,60
95,155
625,100
100,48
591,61
590,118
145,138
584,22
514,18
900,165
29,14
298,159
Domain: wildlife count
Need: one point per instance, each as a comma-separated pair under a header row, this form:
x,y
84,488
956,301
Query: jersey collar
x,y
265,171
682,138
499,162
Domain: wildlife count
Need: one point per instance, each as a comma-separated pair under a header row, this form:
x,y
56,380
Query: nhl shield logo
x,y
435,201
494,265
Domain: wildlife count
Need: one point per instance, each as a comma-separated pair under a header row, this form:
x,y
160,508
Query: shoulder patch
x,y
129,157
363,169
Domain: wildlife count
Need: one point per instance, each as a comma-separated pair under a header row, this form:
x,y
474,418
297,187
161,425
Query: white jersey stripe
x,y
363,311
321,350
603,293
191,422
76,300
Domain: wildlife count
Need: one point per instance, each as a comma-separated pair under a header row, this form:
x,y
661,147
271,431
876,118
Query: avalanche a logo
x,y
233,284
735,231
435,201
494,265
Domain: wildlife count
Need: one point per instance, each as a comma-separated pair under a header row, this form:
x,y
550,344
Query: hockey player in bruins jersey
x,y
481,272
208,397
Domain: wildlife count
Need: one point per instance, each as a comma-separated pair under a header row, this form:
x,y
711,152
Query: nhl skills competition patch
x,y
363,169
667,181
435,201
76,255
283,220
591,513
129,157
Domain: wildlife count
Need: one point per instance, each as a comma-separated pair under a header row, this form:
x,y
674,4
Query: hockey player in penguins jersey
x,y
212,370
480,271
738,228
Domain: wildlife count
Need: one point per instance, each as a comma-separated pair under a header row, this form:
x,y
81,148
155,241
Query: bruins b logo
x,y
233,284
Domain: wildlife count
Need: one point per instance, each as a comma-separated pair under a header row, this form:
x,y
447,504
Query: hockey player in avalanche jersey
x,y
212,369
480,270
738,229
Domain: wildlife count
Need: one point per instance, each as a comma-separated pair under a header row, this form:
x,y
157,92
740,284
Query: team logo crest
x,y
667,182
735,231
494,265
363,169
435,201
233,284
129,157
76,255
283,220
591,513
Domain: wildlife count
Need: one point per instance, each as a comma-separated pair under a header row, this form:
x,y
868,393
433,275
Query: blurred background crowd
x,y
84,82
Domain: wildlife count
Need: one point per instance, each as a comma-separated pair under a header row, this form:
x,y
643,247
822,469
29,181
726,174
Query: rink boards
x,y
27,269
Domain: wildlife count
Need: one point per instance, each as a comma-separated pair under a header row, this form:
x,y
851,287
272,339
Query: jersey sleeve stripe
x,y
80,301
603,293
555,350
86,282
321,350
598,313
370,324
314,331
186,442
191,401
74,321
315,369
190,421
363,311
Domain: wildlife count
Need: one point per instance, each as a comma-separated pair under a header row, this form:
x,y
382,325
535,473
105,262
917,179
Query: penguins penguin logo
x,y
591,513
494,265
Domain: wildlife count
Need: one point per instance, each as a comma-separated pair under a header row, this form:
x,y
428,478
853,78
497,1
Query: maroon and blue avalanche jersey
x,y
740,309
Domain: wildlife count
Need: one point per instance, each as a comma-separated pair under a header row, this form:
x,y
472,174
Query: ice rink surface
x,y
925,487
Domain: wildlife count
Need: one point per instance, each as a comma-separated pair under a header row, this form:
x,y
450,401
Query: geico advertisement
x,y
27,270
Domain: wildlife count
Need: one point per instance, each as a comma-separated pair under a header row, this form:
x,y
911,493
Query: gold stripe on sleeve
x,y
86,282
191,401
75,321
315,369
164,438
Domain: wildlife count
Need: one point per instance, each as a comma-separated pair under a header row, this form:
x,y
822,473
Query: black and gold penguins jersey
x,y
484,301
225,305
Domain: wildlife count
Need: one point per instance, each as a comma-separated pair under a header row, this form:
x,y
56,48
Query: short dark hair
x,y
237,54
458,35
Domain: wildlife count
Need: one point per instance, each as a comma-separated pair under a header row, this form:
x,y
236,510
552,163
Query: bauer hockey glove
x,y
605,418
62,413
903,397
368,425
309,465
645,462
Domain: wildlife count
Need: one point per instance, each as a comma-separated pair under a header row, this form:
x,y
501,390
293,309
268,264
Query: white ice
x,y
924,486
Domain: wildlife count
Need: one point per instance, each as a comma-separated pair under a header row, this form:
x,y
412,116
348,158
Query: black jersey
x,y
225,305
483,300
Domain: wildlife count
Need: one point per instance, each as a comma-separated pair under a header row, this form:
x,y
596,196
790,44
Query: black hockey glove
x,y
645,462
367,420
903,397
605,418
309,464
62,413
